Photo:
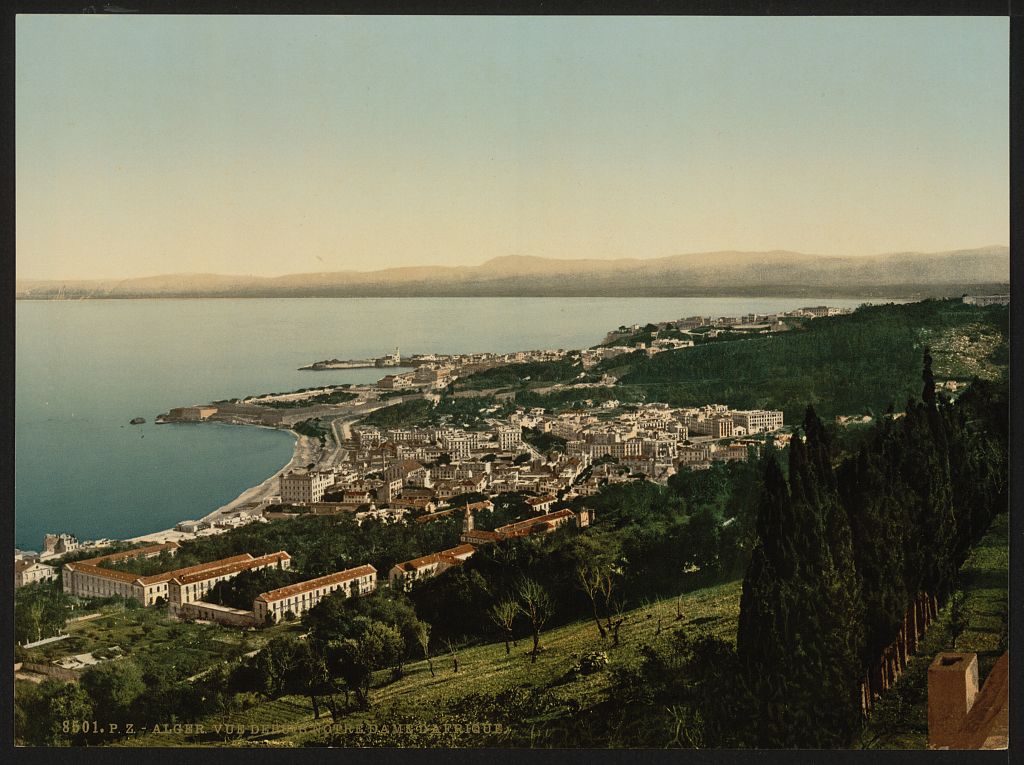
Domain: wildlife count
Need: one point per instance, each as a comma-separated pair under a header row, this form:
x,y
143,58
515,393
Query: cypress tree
x,y
842,556
977,454
799,632
929,474
871,494
928,389
773,614
842,619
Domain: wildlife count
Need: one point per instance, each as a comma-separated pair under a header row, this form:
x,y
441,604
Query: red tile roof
x,y
124,555
408,465
454,554
481,535
312,584
168,575
105,573
220,568
521,527
540,500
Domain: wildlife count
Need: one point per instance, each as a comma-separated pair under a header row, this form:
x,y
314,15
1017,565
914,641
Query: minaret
x,y
467,521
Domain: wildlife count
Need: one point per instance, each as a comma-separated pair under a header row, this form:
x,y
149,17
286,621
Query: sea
x,y
84,368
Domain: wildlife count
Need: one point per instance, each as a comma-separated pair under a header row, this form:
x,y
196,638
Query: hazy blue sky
x,y
269,145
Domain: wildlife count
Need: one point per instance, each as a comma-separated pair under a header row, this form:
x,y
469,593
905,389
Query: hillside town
x,y
430,375
467,470
433,371
422,473
402,470
552,460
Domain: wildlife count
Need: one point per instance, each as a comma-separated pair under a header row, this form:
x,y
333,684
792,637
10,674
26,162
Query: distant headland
x,y
710,274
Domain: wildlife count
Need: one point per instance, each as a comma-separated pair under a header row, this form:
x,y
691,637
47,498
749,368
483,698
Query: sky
x,y
151,145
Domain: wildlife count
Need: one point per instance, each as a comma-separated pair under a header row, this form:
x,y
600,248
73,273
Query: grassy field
x,y
528,700
974,620
484,672
548,693
146,633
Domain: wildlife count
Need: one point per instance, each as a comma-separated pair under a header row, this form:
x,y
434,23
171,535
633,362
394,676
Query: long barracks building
x,y
403,575
193,586
89,579
299,598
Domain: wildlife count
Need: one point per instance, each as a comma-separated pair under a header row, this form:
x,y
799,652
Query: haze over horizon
x,y
264,146
509,262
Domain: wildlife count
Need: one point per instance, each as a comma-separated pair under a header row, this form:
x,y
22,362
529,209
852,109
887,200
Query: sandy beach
x,y
307,450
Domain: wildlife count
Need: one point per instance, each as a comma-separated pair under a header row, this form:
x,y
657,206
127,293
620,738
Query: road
x,y
341,429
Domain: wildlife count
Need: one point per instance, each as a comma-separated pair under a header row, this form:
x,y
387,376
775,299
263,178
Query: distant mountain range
x,y
776,273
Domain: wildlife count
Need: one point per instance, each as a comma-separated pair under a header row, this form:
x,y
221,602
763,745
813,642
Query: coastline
x,y
306,450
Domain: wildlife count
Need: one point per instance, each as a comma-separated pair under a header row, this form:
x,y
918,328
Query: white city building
x,y
303,488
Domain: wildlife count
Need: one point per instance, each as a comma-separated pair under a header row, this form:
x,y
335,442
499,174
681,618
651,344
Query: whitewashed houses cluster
x,y
665,334
655,439
393,472
436,371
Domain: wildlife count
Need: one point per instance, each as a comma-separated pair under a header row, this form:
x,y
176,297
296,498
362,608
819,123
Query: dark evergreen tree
x,y
878,527
928,389
785,630
925,470
843,634
846,560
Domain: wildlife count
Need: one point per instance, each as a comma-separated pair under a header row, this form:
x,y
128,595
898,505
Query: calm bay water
x,y
84,368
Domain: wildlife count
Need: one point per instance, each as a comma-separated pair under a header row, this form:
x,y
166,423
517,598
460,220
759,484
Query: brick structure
x,y
959,717
952,686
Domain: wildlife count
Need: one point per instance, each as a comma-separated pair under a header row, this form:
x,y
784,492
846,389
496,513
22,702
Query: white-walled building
x,y
299,598
541,504
303,488
59,544
31,571
88,579
196,585
402,575
758,420
510,439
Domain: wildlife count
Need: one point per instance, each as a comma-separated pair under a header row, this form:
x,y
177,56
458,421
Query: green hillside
x,y
515,375
529,699
841,365
546,704
975,620
624,659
